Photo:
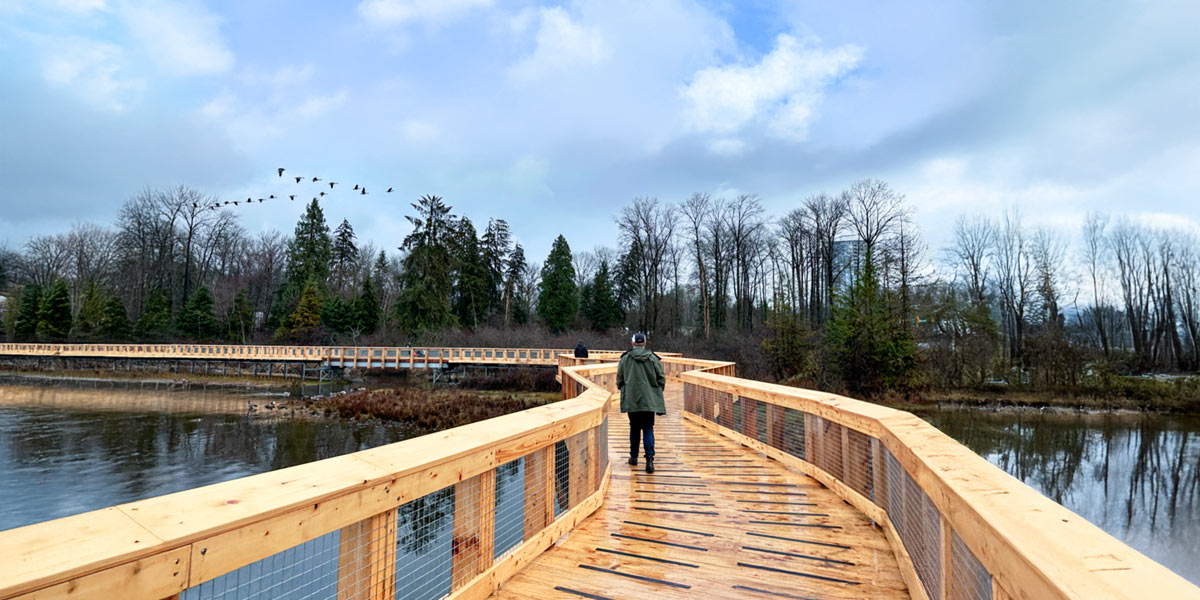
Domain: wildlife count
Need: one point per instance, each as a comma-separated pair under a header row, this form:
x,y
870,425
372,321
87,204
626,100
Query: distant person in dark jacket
x,y
580,350
641,379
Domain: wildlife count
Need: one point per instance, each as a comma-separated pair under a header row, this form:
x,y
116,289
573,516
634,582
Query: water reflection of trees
x,y
105,457
1136,476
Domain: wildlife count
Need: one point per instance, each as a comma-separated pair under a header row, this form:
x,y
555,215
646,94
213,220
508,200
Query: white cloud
x,y
418,131
561,44
779,92
181,39
220,106
400,12
89,69
318,105
727,146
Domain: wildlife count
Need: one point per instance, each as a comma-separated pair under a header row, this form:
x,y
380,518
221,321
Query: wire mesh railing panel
x,y
725,410
691,398
708,403
510,506
860,470
918,523
746,417
308,571
794,432
424,550
968,579
761,417
562,478
602,446
826,446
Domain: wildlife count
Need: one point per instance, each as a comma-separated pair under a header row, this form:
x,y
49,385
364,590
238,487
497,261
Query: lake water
x,y
67,450
1135,476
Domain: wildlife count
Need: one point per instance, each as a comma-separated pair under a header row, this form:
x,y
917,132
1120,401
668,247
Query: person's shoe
x,y
649,465
633,461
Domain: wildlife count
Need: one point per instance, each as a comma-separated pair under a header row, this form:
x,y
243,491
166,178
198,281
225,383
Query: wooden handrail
x,y
1031,546
157,547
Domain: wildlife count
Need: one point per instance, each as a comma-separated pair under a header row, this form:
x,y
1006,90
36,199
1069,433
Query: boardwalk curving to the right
x,y
716,520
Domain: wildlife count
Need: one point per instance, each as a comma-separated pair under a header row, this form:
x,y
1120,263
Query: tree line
x,y
839,292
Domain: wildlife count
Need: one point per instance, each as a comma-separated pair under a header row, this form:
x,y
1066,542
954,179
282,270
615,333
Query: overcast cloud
x,y
555,115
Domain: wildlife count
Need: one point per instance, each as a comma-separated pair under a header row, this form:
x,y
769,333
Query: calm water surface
x,y
1135,476
67,450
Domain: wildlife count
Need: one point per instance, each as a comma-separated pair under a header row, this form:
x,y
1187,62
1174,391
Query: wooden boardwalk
x,y
716,520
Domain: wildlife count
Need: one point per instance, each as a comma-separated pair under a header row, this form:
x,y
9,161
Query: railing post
x,y
945,558
473,545
539,490
775,426
367,559
577,447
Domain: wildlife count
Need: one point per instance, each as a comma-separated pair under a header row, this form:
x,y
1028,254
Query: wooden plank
x,y
473,540
44,554
157,576
367,559
539,490
577,449
776,426
947,579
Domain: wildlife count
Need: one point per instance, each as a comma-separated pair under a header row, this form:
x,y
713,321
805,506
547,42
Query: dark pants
x,y
641,427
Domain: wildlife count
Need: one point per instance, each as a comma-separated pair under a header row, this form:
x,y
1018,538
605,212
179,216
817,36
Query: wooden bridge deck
x,y
716,520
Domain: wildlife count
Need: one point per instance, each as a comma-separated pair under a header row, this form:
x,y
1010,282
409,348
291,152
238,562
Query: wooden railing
x,y
961,527
436,512
377,357
431,512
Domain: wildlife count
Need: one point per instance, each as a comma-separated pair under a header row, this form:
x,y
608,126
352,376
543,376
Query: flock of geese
x,y
362,191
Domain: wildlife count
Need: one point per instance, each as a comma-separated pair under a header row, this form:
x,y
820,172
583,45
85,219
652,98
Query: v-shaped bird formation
x,y
358,190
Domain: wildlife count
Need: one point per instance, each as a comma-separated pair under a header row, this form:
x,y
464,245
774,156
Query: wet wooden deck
x,y
716,520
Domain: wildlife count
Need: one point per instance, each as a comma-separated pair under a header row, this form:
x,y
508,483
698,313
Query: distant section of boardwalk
x,y
716,520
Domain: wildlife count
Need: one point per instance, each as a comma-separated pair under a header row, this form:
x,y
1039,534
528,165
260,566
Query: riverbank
x,y
1180,395
429,410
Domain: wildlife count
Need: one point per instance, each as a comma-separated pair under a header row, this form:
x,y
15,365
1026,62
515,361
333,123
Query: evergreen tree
x,y
514,269
310,250
338,315
309,255
600,305
345,254
788,347
91,313
307,318
25,327
115,327
472,286
196,320
54,315
425,283
557,300
155,322
495,249
873,349
239,321
366,307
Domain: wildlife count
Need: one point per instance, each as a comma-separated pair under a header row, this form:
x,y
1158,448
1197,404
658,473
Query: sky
x,y
554,116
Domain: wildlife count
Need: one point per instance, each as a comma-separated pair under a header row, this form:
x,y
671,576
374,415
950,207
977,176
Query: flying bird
x,y
248,200
281,170
322,194
292,197
260,199
271,197
316,179
195,205
331,184
389,190
356,186
235,202
298,179
363,192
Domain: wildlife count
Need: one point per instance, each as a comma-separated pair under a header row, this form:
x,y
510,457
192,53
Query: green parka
x,y
641,379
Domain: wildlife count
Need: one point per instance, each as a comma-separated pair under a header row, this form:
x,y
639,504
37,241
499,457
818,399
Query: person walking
x,y
581,350
641,379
